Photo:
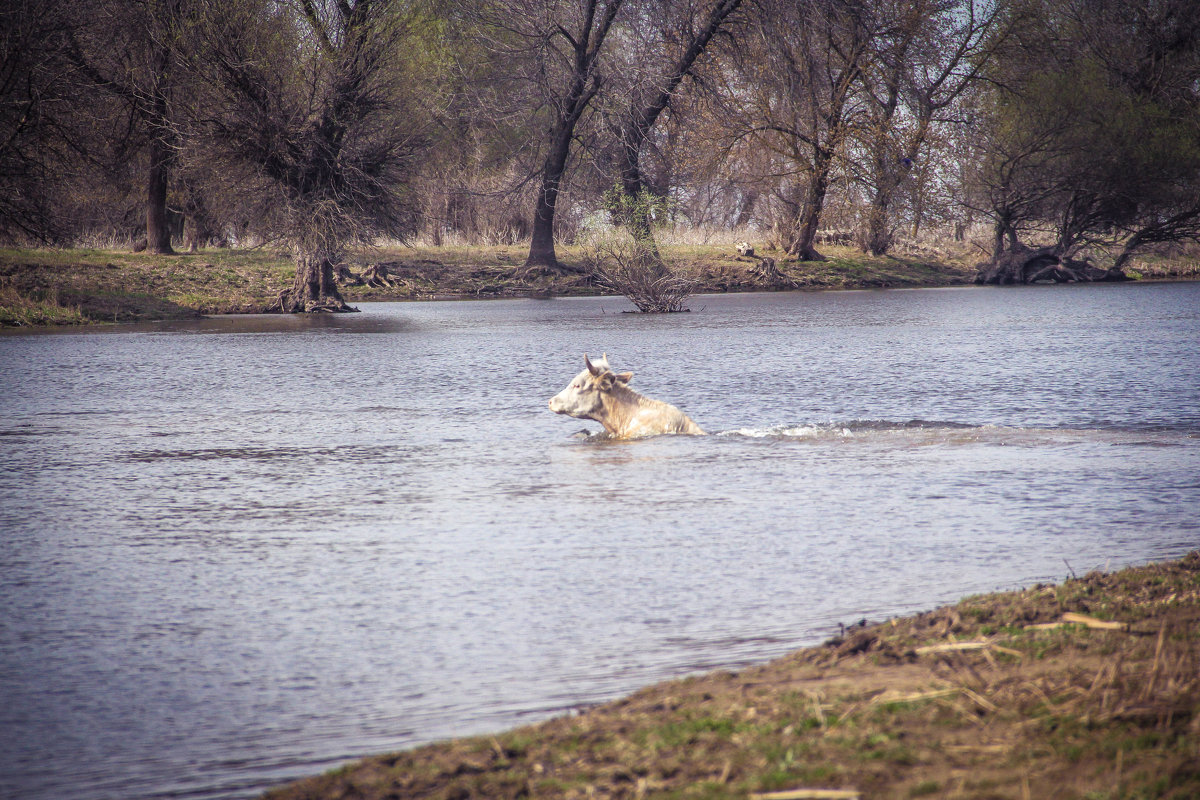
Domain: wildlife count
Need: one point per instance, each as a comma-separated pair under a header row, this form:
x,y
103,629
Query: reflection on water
x,y
235,558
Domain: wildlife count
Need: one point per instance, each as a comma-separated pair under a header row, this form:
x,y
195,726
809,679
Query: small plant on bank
x,y
619,259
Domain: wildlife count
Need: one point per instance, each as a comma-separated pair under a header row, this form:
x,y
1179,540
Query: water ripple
x,y
213,582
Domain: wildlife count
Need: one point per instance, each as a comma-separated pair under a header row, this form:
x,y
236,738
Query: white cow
x,y
599,394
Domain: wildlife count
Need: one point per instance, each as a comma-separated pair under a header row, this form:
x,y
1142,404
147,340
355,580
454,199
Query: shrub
x,y
618,261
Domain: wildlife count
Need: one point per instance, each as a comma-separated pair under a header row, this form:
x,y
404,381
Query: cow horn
x,y
590,366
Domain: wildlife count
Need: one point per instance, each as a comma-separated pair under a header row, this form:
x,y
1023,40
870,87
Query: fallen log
x,y
1071,618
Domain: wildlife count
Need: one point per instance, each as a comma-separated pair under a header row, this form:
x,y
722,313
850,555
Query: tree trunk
x,y
640,120
541,246
918,203
747,209
315,288
1131,247
1179,227
1004,236
637,210
879,238
158,229
197,225
804,235
196,233
583,86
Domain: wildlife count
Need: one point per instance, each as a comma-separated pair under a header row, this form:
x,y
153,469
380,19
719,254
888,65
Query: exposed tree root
x,y
287,303
765,269
1024,265
347,277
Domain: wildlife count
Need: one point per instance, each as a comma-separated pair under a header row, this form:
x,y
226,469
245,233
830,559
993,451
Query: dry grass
x,y
978,700
36,308
1154,268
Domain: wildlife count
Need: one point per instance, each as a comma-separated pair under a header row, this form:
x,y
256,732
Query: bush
x,y
618,261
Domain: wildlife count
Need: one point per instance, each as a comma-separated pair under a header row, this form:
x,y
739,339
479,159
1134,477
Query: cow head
x,y
583,396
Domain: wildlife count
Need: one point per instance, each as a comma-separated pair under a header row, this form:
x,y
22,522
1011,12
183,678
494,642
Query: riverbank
x,y
1089,689
62,287
84,286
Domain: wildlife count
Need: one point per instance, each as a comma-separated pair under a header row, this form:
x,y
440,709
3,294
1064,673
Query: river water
x,y
241,550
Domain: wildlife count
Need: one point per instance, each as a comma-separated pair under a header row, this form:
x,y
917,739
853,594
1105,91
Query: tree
x,y
927,54
36,95
128,49
310,101
1150,50
1094,143
554,49
667,37
793,89
473,178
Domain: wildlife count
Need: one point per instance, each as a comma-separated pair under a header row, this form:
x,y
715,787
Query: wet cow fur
x,y
602,395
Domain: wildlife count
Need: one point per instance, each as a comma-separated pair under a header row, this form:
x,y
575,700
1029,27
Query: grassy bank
x,y
1089,689
43,287
79,286
47,286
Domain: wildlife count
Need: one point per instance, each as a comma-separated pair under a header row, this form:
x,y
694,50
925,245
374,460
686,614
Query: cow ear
x,y
624,377
605,381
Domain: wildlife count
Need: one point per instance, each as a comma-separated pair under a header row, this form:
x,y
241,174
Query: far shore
x,y
42,287
1086,690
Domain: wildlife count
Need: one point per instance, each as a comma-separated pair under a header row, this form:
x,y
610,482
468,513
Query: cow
x,y
602,395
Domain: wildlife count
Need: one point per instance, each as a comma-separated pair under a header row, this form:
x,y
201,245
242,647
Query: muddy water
x,y
242,550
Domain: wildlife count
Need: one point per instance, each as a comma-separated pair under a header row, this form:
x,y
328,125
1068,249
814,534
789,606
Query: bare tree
x,y
36,98
665,40
554,50
310,100
128,50
793,90
927,54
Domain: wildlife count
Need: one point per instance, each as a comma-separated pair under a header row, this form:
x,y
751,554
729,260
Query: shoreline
x,y
45,288
1086,689
74,287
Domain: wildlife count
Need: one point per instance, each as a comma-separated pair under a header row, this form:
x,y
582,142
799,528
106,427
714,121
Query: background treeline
x,y
1067,129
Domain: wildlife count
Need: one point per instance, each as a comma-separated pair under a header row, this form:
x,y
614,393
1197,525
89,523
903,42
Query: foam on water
x,y
925,433
791,432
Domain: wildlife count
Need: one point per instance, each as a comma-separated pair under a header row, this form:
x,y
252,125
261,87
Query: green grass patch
x,y
925,789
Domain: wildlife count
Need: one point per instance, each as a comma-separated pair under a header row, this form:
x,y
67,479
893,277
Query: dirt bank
x,y
65,287
1090,689
46,287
